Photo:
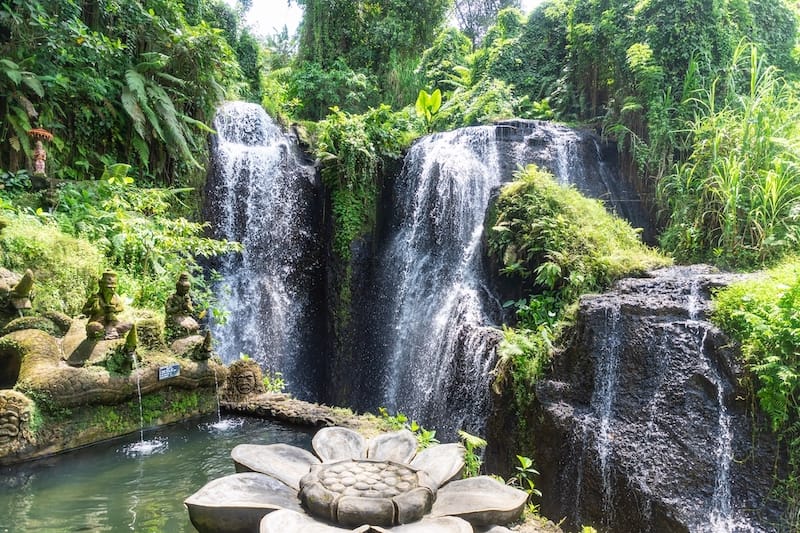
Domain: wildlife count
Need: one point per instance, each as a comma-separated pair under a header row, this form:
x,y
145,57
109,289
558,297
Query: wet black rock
x,y
642,425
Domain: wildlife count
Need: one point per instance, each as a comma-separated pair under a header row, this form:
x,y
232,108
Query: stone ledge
x,y
284,408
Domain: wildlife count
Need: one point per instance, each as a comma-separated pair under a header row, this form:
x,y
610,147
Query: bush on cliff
x,y
763,315
557,245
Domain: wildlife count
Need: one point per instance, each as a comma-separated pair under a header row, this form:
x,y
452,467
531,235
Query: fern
x,y
131,107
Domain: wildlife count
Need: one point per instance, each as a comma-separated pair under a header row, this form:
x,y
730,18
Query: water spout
x,y
143,447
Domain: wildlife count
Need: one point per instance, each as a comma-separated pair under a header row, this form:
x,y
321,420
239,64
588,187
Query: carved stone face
x,y
108,291
182,287
244,382
244,379
14,417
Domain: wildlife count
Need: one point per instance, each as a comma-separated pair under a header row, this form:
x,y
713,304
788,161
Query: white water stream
x,y
259,202
435,271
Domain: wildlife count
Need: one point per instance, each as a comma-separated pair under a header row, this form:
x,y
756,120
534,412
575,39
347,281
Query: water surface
x,y
110,487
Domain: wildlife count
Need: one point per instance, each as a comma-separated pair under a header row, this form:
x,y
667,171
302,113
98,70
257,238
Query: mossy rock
x,y
32,322
150,329
62,321
28,348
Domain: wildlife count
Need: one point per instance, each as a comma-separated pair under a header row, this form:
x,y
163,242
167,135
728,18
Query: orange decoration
x,y
40,134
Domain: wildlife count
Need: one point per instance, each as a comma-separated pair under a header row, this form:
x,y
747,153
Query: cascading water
x,y
433,268
643,416
260,194
434,310
605,389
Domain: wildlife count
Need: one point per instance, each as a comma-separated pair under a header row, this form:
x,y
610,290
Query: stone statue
x,y
22,293
39,159
178,309
39,153
103,310
244,379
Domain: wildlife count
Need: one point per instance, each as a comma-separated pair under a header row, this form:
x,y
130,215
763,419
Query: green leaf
x,y
33,83
131,107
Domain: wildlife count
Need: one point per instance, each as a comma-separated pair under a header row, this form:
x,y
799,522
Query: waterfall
x,y
434,310
258,195
432,267
604,391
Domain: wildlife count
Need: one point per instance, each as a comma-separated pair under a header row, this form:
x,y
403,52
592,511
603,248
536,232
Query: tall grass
x,y
736,200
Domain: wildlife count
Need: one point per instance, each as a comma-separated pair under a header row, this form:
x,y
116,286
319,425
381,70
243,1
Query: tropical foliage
x,y
736,198
762,314
556,245
116,81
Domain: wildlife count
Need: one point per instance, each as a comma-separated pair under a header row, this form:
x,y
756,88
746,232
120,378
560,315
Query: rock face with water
x,y
424,305
642,424
262,192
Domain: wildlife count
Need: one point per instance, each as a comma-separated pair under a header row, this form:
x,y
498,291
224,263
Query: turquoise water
x,y
122,486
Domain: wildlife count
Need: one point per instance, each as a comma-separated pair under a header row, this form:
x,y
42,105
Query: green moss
x,y
556,245
153,407
113,420
185,404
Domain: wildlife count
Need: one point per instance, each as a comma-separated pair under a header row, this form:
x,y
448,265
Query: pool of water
x,y
121,485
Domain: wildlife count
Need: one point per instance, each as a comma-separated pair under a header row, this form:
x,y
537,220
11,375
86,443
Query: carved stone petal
x,y
292,522
337,444
412,505
442,463
482,501
237,503
319,500
446,524
355,511
281,461
398,446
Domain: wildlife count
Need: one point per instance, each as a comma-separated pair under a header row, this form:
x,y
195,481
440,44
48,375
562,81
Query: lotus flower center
x,y
368,479
357,492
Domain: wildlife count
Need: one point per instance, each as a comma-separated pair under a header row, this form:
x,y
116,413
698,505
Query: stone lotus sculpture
x,y
381,484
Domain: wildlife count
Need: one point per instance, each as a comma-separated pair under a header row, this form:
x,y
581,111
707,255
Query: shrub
x,y
64,267
763,315
557,245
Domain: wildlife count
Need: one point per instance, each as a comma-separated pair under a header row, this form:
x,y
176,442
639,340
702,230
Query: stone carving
x,y
353,482
39,153
103,310
244,379
22,293
15,416
179,308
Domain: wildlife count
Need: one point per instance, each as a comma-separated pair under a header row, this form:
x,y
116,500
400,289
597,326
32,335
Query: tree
x,y
381,39
475,16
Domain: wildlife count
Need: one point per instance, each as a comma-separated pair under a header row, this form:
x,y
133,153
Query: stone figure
x,y
39,153
22,293
15,414
178,309
103,310
244,379
39,159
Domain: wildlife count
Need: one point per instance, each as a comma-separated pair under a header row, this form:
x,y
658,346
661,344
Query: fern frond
x,y
137,85
135,112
